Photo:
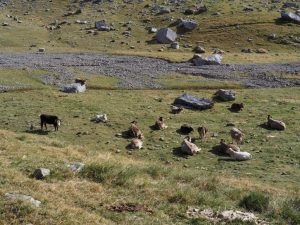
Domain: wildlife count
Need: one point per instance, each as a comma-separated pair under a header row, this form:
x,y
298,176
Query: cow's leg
x,y
45,125
41,125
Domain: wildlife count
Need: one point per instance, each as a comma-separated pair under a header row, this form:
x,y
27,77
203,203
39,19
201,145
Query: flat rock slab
x,y
290,16
21,197
192,102
73,88
199,60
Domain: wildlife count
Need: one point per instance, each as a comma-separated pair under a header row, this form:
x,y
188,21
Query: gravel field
x,y
142,72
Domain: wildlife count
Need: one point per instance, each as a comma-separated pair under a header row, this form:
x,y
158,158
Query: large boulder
x,y
166,36
200,60
192,102
225,95
73,88
289,16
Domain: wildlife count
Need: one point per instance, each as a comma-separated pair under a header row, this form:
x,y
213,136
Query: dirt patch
x,y
129,207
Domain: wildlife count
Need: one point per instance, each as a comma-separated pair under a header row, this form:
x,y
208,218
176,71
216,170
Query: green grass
x,y
154,176
230,31
255,201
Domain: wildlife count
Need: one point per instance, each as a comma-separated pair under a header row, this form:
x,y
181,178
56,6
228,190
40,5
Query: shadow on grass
x,y
264,126
177,152
232,110
179,131
126,134
227,159
39,132
153,128
217,150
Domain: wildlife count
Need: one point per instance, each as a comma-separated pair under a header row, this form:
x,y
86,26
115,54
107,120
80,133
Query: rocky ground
x,y
142,72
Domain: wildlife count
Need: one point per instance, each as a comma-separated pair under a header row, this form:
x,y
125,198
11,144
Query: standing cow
x,y
48,119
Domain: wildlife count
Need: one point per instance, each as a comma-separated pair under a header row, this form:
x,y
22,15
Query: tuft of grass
x,y
109,173
16,209
291,211
255,201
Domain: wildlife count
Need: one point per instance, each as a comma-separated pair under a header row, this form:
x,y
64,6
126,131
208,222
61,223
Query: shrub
x,y
255,201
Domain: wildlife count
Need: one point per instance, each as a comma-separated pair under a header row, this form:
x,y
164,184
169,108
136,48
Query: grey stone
x,y
21,197
102,26
247,50
41,173
152,30
166,36
199,49
76,167
164,10
199,60
289,16
175,45
187,25
192,102
225,95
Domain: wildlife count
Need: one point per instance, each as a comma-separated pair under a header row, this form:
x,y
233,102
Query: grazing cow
x,y
48,119
275,124
186,129
176,109
236,107
202,132
160,124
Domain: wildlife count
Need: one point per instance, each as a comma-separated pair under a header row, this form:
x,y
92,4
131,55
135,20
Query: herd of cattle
x,y
187,146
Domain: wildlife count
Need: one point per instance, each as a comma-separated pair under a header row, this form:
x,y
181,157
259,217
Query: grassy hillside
x,y
231,30
159,179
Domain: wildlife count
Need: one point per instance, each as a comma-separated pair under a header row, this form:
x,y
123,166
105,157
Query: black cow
x,y
48,119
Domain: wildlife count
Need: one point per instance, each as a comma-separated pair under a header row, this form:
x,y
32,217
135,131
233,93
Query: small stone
x,y
161,139
41,173
118,151
199,50
42,49
261,51
76,167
